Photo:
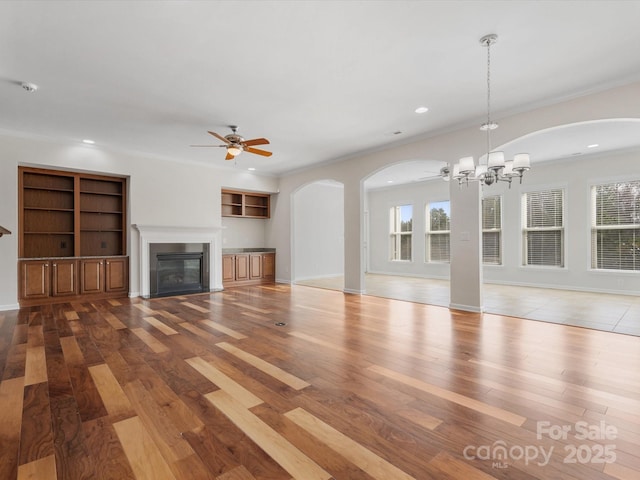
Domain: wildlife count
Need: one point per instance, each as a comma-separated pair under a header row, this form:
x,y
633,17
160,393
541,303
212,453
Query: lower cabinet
x,y
248,268
35,280
64,278
269,267
116,276
61,279
91,276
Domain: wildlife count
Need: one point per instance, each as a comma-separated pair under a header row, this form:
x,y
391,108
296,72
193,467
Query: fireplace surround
x,y
205,240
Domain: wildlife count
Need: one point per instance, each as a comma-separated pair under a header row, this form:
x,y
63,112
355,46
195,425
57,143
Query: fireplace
x,y
179,273
154,239
178,268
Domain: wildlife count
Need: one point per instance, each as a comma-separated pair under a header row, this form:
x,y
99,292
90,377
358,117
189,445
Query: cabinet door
x,y
242,267
228,268
34,279
91,276
116,274
269,266
255,266
64,277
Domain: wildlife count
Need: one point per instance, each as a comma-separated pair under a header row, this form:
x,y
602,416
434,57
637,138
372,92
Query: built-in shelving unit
x,y
48,215
64,218
245,204
101,217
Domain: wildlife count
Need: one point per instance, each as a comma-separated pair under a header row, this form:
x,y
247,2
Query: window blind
x,y
401,229
543,228
438,233
616,226
492,230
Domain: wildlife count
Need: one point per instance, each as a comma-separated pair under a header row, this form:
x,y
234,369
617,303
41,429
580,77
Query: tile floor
x,y
599,311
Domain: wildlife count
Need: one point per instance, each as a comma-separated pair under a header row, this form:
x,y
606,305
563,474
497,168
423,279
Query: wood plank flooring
x,y
350,387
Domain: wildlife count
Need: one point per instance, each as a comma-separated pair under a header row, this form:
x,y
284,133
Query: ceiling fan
x,y
235,144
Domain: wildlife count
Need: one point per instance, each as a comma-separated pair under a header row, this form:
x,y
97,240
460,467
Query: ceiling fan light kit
x,y
492,167
236,144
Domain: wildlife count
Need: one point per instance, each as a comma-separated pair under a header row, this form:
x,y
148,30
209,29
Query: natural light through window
x,y
615,226
401,229
492,230
438,231
543,228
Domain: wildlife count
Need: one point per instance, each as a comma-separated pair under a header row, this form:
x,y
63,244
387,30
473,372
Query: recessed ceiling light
x,y
593,145
88,142
389,181
251,168
421,110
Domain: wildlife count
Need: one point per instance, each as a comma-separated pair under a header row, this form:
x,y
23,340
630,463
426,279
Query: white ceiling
x,y
323,80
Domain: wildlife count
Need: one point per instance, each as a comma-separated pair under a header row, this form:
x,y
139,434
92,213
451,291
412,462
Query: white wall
x,y
615,103
243,232
379,202
161,192
319,231
574,175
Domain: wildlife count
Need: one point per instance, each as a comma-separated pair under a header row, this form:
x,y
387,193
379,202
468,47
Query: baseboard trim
x,y
353,292
11,306
466,308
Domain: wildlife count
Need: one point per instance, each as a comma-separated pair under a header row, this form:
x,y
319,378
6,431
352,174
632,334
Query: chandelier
x,y
492,167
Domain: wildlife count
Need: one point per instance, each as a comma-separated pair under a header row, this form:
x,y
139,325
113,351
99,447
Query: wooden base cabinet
x,y
34,280
116,275
248,268
64,278
92,276
76,279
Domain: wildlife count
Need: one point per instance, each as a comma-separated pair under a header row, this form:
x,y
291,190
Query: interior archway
x,y
572,157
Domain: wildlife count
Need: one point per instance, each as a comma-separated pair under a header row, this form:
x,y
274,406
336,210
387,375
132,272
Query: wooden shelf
x,y
64,214
245,204
72,236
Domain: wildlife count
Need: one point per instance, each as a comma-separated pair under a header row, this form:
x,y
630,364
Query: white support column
x,y
466,247
353,251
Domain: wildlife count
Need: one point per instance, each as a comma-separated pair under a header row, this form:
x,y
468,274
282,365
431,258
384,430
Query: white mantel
x,y
171,234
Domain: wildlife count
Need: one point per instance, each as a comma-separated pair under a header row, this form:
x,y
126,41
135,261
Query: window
x,y
543,228
438,230
492,230
401,220
615,226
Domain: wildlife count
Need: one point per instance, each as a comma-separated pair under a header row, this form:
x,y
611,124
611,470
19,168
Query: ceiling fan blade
x,y
255,141
220,137
229,157
264,153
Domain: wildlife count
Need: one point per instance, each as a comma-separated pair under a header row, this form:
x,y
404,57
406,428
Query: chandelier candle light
x,y
494,168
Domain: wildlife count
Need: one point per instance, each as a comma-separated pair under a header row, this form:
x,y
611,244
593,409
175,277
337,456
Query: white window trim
x,y
524,229
395,237
593,228
429,232
492,230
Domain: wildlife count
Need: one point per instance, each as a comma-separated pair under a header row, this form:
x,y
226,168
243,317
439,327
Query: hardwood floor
x,y
349,387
